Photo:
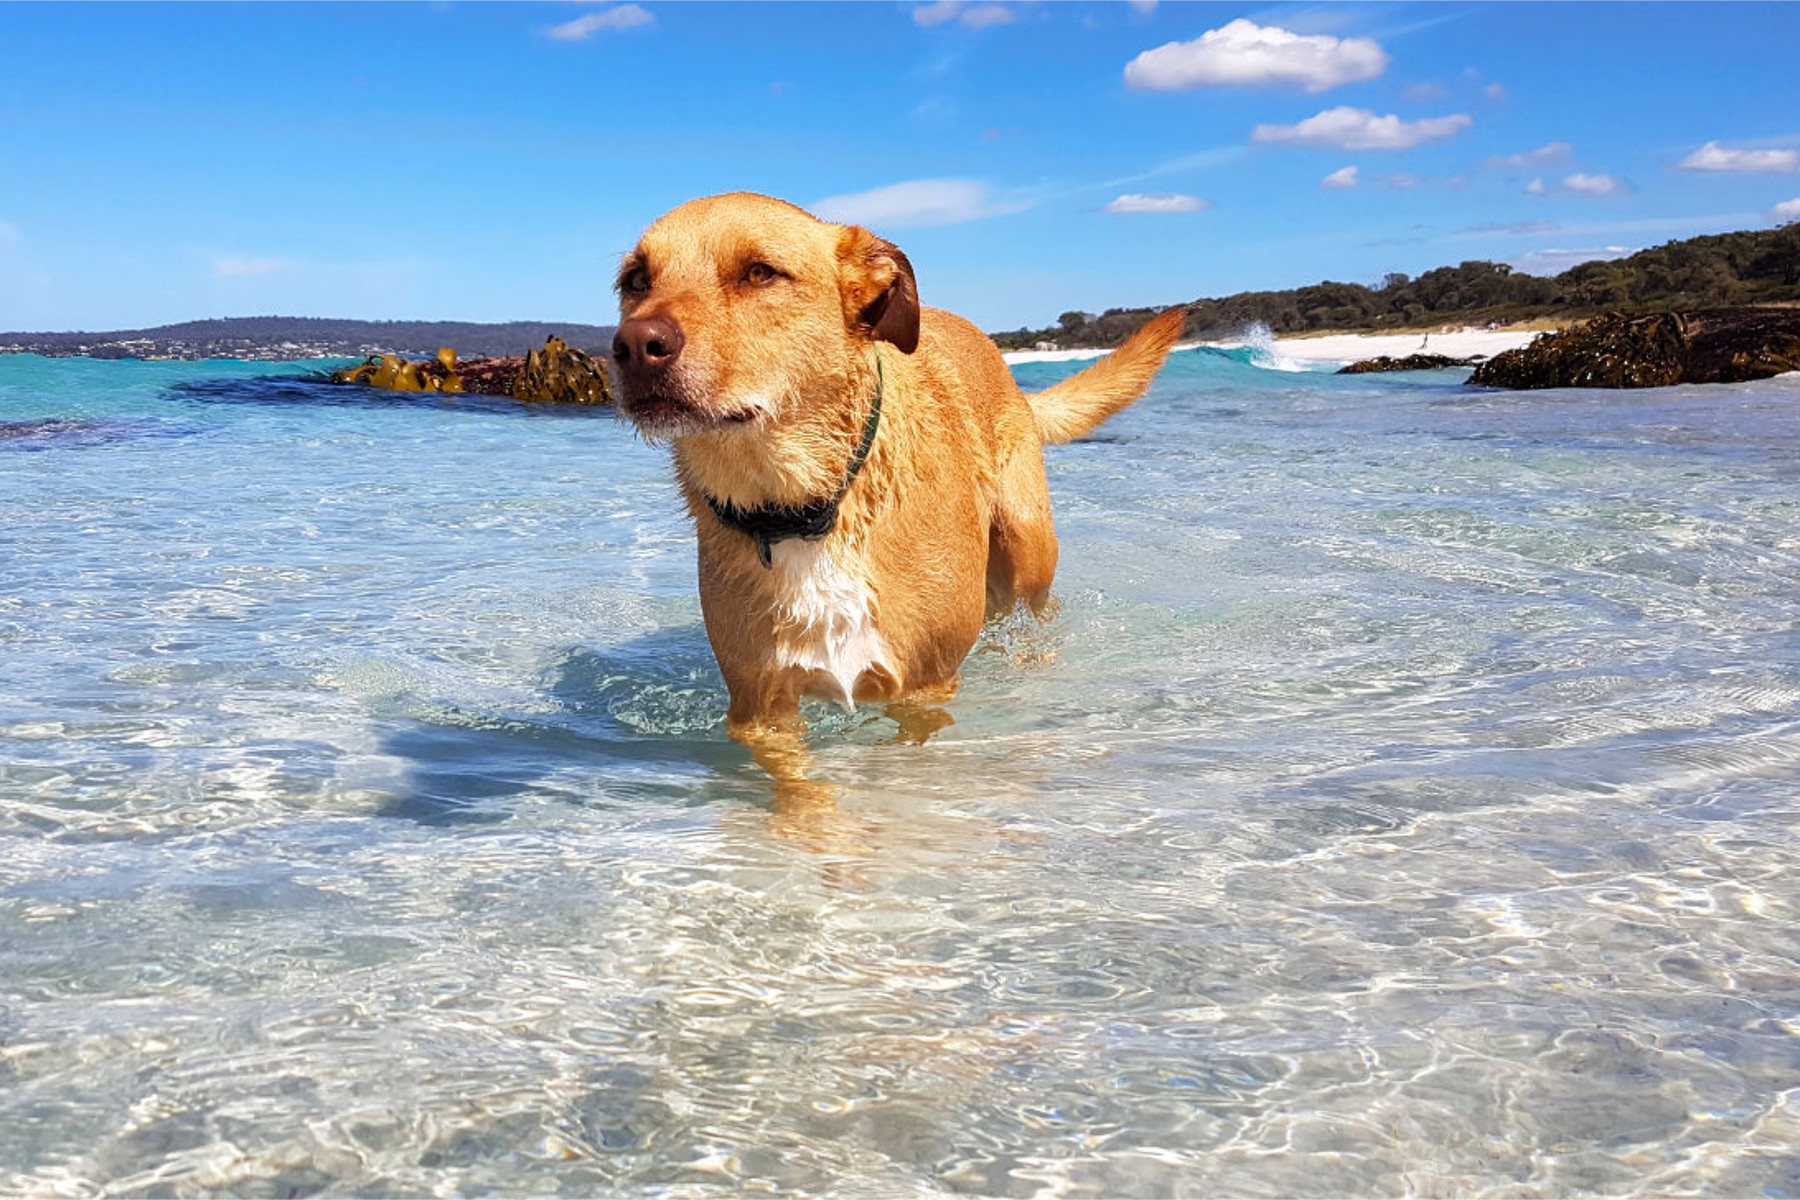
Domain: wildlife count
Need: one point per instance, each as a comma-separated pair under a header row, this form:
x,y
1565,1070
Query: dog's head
x,y
741,310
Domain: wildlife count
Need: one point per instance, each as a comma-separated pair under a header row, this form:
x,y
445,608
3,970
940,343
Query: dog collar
x,y
770,523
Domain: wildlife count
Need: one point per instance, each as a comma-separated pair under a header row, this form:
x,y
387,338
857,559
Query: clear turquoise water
x,y
1402,802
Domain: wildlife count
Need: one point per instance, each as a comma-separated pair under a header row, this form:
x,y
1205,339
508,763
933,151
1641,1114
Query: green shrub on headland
x,y
1752,267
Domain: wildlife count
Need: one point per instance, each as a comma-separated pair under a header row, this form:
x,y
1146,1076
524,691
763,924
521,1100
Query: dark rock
x,y
1718,345
1731,345
1412,362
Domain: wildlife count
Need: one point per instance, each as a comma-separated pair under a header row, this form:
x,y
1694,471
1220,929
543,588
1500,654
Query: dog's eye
x,y
760,274
636,281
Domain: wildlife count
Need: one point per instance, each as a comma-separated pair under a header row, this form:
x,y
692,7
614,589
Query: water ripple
x,y
1400,803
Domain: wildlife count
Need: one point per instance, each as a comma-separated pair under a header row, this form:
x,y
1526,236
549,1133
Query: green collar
x,y
771,523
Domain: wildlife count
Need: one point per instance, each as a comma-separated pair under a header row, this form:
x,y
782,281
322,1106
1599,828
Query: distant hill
x,y
279,338
1719,270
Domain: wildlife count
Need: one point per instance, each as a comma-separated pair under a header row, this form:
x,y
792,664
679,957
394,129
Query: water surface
x,y
1402,802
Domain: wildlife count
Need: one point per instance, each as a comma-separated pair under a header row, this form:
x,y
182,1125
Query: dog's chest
x,y
825,618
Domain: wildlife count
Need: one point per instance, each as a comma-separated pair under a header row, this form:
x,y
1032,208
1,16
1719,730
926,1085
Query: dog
x,y
865,478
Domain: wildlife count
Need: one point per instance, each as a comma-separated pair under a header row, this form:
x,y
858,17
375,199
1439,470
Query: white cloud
x,y
916,203
1245,54
1340,180
1555,262
1714,157
979,16
1781,214
1594,185
1399,181
1157,202
1494,91
246,268
1550,154
1144,6
1359,129
625,16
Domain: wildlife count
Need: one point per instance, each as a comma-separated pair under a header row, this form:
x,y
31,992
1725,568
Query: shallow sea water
x,y
1402,803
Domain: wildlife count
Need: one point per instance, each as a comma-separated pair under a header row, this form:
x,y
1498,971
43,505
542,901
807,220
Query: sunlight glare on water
x,y
1401,802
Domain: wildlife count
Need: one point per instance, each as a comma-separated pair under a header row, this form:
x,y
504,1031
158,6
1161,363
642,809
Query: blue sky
x,y
492,161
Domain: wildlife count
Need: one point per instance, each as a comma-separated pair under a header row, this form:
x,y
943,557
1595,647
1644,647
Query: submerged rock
x,y
557,374
1719,345
1412,362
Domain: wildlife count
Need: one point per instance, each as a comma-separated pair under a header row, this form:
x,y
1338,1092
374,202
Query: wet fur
x,y
949,520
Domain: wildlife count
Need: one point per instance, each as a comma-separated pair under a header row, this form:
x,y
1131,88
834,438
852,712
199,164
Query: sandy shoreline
x,y
1342,347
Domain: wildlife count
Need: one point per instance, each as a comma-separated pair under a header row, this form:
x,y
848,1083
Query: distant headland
x,y
1754,267
284,338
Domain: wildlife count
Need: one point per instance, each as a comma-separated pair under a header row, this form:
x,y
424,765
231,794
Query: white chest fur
x,y
827,618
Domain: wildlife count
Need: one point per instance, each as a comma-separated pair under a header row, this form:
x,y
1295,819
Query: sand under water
x,y
1402,802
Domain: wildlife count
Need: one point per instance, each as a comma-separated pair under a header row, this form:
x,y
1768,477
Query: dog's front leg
x,y
921,712
765,717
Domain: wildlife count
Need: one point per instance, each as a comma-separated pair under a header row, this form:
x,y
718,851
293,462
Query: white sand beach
x,y
1455,343
1340,347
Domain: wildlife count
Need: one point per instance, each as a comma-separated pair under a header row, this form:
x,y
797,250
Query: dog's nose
x,y
647,344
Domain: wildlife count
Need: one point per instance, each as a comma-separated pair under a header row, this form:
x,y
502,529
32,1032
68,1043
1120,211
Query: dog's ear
x,y
880,295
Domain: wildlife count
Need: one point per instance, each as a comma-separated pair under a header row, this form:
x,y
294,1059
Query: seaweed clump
x,y
561,374
1721,345
556,374
396,374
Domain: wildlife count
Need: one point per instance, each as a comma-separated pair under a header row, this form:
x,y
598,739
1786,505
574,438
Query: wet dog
x,y
865,478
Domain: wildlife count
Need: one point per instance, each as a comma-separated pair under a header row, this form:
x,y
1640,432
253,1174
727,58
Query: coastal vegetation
x,y
1727,269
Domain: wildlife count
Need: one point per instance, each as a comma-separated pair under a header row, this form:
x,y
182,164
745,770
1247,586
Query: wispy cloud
x,y
974,16
1781,214
1429,91
1340,180
1550,154
1555,262
1359,129
1245,54
1714,157
1512,227
981,16
613,20
1157,202
247,268
918,203
1399,181
1199,161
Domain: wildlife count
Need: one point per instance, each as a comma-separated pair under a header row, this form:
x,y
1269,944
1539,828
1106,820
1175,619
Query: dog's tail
x,y
1077,404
